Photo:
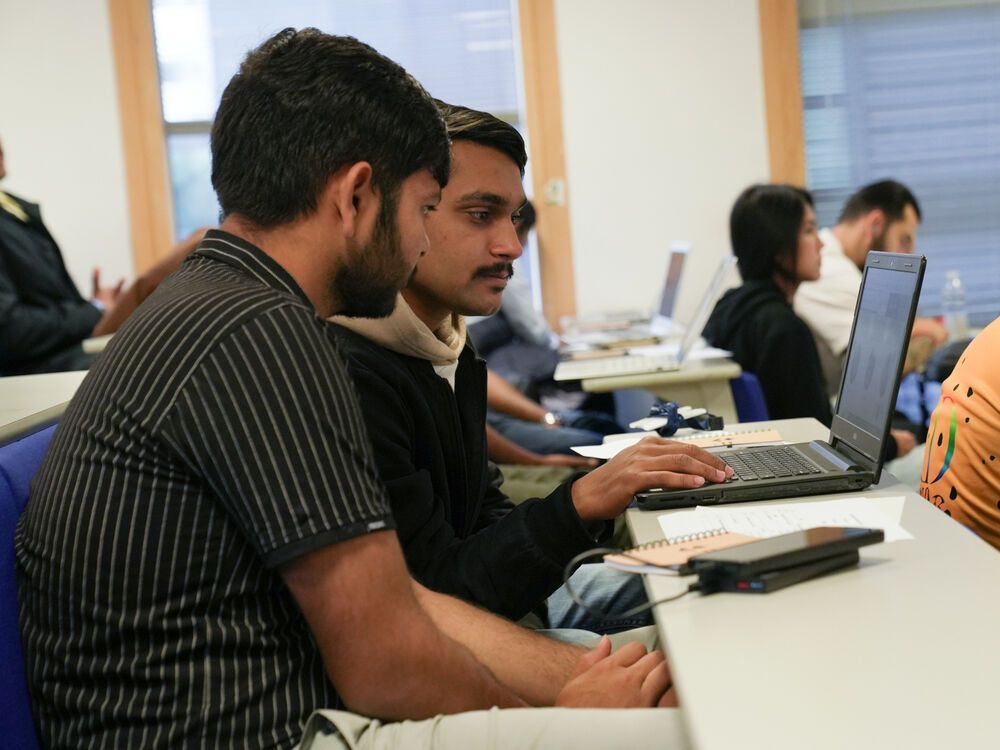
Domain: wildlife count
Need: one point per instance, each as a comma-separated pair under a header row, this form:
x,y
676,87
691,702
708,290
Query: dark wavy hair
x,y
466,124
303,105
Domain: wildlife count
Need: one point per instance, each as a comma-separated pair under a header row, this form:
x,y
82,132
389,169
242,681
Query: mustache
x,y
495,269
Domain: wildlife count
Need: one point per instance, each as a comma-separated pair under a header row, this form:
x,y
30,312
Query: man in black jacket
x,y
43,317
423,394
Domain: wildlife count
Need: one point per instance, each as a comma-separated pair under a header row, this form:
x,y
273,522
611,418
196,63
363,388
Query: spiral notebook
x,y
670,556
729,438
615,444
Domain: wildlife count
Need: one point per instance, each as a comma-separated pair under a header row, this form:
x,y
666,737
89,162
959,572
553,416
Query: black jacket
x,y
757,324
43,318
460,534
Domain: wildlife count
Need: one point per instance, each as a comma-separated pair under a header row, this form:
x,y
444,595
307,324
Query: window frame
x,y
143,139
144,136
779,43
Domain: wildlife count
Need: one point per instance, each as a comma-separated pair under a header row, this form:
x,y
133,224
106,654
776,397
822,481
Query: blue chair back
x,y
19,461
749,398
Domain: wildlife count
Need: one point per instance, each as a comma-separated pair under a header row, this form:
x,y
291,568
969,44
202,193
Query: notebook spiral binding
x,y
681,539
719,434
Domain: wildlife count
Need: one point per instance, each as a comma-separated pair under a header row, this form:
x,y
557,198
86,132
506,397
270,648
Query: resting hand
x,y
929,328
629,678
906,441
652,462
107,295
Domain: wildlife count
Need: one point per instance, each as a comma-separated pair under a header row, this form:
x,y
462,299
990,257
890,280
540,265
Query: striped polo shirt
x,y
217,438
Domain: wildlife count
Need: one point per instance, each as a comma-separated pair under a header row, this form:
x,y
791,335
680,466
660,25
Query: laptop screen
x,y
875,354
718,282
672,282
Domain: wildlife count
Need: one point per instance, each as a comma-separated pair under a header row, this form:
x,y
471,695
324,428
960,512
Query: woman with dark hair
x,y
773,233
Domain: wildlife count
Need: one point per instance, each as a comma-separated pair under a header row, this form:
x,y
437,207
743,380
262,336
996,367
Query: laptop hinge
x,y
843,455
853,455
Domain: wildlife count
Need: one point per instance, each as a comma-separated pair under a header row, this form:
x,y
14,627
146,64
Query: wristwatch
x,y
552,419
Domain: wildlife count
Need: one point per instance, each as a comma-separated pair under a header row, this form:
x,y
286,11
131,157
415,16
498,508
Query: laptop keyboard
x,y
769,464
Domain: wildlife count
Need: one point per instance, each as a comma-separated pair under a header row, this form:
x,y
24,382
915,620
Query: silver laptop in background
x,y
672,280
851,458
638,364
630,323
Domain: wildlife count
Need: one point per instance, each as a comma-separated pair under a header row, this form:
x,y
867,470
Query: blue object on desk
x,y
670,411
19,461
667,410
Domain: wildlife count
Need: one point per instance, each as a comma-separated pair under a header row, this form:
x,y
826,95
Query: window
x,y
913,95
462,51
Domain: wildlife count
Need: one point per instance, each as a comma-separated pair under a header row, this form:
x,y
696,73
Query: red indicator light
x,y
742,585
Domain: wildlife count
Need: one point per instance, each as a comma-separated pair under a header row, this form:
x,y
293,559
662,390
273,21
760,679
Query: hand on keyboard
x,y
652,462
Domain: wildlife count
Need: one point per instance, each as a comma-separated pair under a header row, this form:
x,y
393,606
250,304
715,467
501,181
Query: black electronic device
x,y
851,458
771,564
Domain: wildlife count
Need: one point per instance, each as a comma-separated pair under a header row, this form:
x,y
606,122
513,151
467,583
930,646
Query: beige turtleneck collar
x,y
403,332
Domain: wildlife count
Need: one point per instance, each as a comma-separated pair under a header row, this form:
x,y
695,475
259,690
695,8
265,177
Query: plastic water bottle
x,y
956,321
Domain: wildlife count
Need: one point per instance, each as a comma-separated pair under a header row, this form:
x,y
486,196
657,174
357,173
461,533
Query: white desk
x,y
29,402
703,383
901,652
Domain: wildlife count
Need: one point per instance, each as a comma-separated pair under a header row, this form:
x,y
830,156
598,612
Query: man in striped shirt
x,y
208,556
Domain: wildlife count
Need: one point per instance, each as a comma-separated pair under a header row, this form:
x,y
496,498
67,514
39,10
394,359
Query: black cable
x,y
594,611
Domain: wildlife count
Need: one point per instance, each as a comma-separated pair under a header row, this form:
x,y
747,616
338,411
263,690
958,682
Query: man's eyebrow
x,y
492,199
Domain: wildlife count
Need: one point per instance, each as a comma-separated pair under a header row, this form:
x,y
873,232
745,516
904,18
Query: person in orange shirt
x,y
961,470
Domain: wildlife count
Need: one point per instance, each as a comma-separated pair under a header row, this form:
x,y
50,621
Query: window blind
x,y
913,95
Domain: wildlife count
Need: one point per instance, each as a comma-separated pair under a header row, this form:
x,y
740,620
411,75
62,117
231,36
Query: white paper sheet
x,y
604,451
773,520
708,352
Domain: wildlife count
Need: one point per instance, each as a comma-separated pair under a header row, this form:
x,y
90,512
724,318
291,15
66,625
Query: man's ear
x,y
353,196
874,224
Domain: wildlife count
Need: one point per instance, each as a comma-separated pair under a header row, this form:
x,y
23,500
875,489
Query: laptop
x,y
639,364
672,281
851,458
606,328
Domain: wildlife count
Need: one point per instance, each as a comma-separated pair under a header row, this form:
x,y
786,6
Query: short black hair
x,y
304,104
890,196
466,124
764,229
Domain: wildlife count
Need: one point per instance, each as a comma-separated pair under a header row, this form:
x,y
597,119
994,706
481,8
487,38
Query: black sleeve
x,y
789,372
271,421
515,557
495,503
28,331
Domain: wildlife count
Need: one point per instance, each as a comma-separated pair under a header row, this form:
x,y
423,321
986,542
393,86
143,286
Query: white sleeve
x,y
827,305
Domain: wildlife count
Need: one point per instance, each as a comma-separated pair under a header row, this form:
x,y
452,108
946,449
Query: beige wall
x,y
663,112
60,129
